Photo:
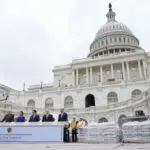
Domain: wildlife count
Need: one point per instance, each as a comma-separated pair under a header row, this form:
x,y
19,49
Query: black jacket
x,y
48,119
34,119
64,117
8,118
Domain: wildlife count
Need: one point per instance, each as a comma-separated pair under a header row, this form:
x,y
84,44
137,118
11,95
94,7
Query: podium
x,y
31,132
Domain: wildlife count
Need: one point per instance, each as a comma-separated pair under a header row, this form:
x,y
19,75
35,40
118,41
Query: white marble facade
x,y
112,81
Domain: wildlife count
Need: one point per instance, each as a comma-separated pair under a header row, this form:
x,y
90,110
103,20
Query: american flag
x,y
107,46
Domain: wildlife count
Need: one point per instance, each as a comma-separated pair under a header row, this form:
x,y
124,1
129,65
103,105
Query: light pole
x,y
59,83
41,85
99,77
24,86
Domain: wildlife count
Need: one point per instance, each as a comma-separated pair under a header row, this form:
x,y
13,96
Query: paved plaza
x,y
8,146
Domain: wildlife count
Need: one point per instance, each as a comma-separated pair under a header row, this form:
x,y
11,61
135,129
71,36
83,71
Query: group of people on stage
x,y
63,117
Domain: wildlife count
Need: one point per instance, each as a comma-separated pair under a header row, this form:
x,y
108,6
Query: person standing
x,y
81,123
74,129
48,117
34,117
21,117
63,117
9,117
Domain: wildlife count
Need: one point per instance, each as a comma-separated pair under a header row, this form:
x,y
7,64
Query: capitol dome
x,y
113,37
111,27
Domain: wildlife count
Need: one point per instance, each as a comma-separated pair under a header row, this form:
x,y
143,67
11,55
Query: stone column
x,y
91,75
119,50
128,71
102,53
144,69
101,73
73,77
108,51
112,71
123,71
148,107
77,77
114,52
140,71
87,75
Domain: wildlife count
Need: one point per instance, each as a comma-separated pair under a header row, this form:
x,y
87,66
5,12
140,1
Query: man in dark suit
x,y
34,117
9,117
48,117
63,116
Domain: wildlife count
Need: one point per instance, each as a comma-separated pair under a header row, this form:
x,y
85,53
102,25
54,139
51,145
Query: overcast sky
x,y
36,35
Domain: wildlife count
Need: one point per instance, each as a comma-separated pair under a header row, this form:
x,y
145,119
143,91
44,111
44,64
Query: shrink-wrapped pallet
x,y
136,132
100,133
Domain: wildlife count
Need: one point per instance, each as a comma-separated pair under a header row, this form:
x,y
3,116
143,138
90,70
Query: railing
x,y
5,106
103,84
98,84
107,55
62,67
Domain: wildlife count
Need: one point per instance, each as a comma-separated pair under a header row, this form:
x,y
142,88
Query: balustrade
x,y
129,103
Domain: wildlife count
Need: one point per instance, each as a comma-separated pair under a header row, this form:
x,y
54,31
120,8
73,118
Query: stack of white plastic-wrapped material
x,y
93,132
83,134
136,132
100,133
109,133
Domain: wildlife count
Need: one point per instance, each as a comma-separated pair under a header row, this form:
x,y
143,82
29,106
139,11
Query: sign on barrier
x,y
40,133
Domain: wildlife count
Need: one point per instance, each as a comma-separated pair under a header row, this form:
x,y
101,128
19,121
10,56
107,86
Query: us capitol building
x,y
112,82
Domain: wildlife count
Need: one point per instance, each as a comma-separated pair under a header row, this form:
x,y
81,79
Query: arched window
x,y
89,100
136,93
101,120
31,103
68,102
112,98
49,103
120,120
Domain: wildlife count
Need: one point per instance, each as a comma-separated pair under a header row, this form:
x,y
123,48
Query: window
x,y
124,39
95,45
115,39
136,93
98,44
102,120
68,102
49,103
112,98
31,103
110,40
128,40
119,39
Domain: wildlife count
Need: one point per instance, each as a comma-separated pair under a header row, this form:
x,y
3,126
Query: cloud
x,y
36,35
